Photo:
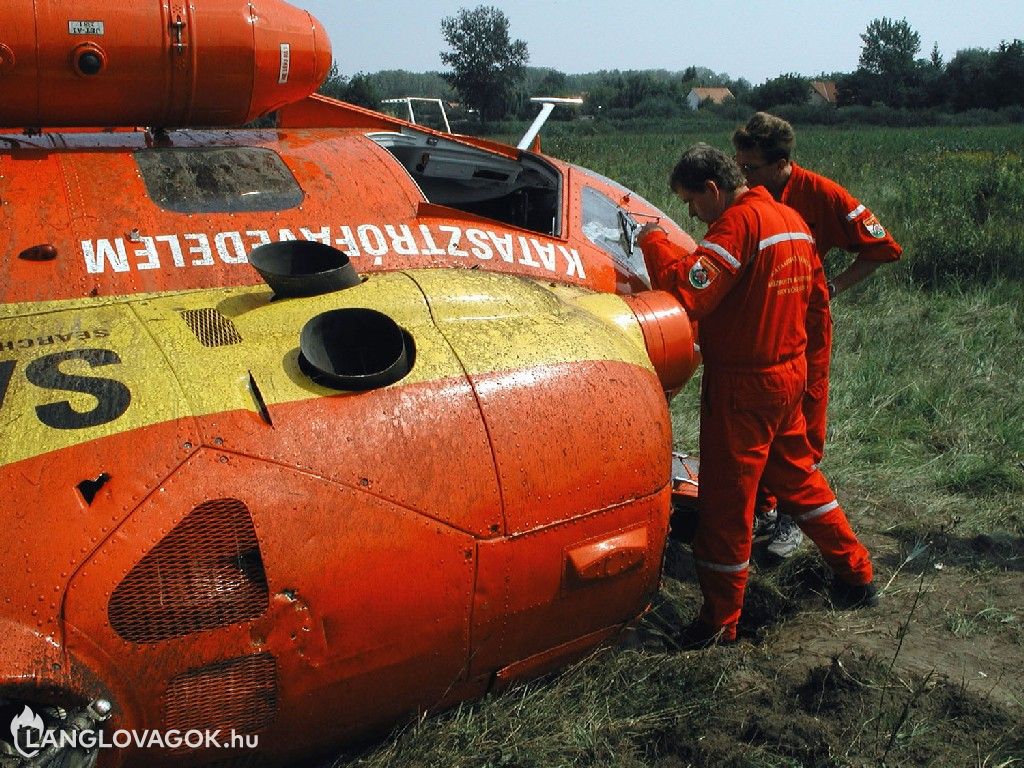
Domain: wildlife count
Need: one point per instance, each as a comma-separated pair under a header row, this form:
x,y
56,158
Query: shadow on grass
x,y
998,550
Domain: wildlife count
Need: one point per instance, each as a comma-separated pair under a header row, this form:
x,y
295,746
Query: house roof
x,y
717,95
826,89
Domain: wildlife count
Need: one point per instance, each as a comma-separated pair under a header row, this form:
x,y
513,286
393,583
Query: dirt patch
x,y
850,711
932,676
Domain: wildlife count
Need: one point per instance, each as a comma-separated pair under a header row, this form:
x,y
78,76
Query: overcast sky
x,y
756,39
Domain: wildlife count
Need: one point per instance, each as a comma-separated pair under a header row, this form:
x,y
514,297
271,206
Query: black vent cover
x,y
303,268
211,327
355,349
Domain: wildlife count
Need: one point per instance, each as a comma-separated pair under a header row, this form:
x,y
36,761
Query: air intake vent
x,y
239,694
206,573
211,327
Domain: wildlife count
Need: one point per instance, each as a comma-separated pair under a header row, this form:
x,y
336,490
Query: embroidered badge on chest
x,y
874,227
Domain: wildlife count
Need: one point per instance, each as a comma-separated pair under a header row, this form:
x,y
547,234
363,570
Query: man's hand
x,y
647,228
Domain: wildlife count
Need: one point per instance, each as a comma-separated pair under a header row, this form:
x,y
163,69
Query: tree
x,y
1008,72
969,78
486,65
359,89
888,58
362,92
552,84
890,48
335,83
784,89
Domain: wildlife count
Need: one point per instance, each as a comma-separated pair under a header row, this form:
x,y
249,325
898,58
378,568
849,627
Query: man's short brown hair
x,y
772,135
702,163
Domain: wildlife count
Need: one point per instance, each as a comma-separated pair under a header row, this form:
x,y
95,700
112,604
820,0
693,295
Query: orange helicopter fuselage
x,y
207,535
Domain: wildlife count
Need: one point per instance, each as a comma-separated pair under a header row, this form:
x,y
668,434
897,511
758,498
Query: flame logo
x,y
27,730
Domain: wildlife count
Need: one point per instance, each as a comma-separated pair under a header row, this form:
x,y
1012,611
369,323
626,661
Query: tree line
x,y
488,76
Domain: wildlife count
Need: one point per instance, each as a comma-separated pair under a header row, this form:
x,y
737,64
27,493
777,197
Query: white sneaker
x,y
787,539
766,525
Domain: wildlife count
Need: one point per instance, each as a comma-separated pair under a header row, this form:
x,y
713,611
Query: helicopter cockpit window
x,y
218,179
614,229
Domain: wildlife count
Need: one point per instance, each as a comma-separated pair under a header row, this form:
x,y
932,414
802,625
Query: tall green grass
x,y
926,413
953,196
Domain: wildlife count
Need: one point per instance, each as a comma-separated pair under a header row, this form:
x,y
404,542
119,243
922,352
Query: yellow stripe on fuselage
x,y
144,365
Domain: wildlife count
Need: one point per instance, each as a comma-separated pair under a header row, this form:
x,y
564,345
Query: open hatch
x,y
523,192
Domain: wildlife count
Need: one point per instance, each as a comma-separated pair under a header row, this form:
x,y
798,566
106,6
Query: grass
x,y
926,451
735,707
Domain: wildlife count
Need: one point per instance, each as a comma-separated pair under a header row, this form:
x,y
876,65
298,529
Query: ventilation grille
x,y
237,694
211,327
206,573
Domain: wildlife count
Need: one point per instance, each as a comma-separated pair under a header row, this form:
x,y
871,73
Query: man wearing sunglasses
x,y
837,220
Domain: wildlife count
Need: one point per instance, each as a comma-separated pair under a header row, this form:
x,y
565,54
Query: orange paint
x,y
196,531
165,63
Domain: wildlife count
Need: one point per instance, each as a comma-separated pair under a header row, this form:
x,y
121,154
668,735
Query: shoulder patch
x,y
874,227
702,274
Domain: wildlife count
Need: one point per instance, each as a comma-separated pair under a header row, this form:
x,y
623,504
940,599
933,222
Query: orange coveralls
x,y
837,220
748,284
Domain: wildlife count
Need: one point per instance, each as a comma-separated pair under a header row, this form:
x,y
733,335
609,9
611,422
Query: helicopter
x,y
307,429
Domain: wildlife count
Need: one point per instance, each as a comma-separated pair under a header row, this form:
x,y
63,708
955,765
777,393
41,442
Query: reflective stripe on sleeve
x,y
722,568
855,213
715,248
817,511
782,238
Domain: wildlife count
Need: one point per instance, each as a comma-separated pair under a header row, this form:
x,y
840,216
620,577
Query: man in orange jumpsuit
x,y
837,220
748,284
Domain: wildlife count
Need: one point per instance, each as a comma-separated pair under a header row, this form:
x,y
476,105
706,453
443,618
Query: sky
x,y
756,39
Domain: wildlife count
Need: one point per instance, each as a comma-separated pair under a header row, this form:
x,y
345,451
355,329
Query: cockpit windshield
x,y
613,229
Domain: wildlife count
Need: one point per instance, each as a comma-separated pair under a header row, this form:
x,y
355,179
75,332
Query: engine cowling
x,y
161,63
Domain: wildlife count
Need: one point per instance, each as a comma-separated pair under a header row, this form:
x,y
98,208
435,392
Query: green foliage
x,y
890,48
397,83
971,79
890,74
486,64
1008,68
489,73
980,78
335,83
359,89
636,95
784,89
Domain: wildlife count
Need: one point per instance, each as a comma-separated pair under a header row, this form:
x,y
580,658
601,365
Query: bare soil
x,y
932,676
